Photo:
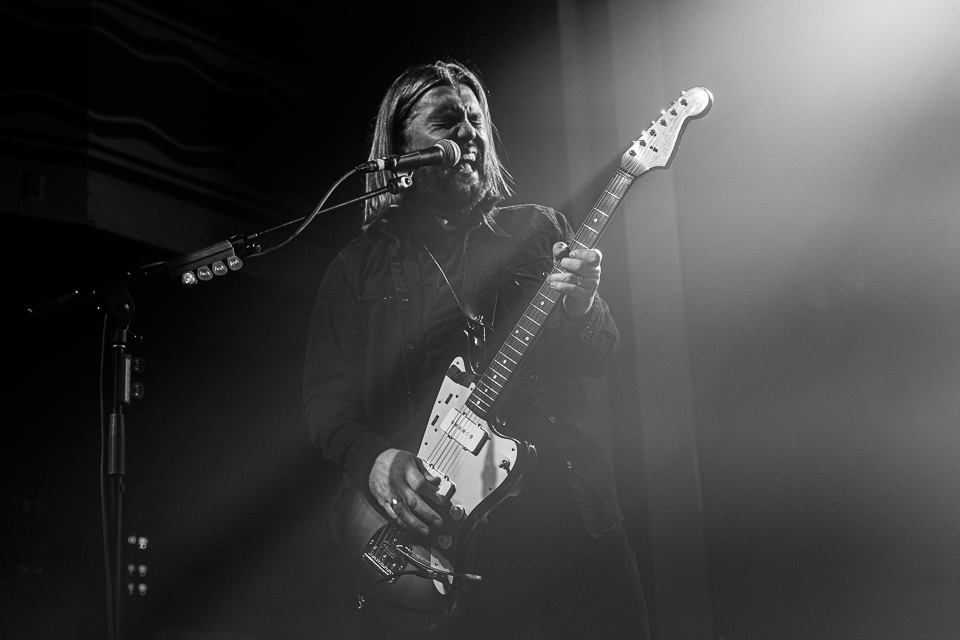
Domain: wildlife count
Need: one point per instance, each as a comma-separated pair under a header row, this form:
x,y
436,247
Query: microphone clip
x,y
400,182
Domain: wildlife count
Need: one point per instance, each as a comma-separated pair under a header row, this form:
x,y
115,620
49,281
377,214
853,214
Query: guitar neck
x,y
654,149
489,389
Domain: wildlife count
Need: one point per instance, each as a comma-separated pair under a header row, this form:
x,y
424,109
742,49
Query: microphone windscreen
x,y
451,152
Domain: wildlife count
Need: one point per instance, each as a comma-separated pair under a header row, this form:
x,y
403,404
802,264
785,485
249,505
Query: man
x,y
555,557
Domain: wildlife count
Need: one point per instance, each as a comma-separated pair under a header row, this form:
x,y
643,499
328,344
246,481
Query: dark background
x,y
784,415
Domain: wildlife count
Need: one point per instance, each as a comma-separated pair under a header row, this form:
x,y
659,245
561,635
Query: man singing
x,y
554,561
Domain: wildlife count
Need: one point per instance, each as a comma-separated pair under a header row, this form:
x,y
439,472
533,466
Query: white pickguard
x,y
467,476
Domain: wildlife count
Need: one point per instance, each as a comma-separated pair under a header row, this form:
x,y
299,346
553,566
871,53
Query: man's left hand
x,y
578,283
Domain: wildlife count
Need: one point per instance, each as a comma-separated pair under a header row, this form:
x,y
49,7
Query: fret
x,y
487,392
478,409
477,404
532,320
504,367
612,195
592,229
522,343
491,379
548,293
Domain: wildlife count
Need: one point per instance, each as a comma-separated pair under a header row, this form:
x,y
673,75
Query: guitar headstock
x,y
656,145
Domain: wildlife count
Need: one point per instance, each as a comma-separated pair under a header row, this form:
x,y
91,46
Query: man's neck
x,y
428,220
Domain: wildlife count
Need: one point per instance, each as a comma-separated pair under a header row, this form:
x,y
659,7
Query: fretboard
x,y
495,380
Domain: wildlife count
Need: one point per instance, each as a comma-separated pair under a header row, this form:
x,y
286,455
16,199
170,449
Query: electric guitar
x,y
419,582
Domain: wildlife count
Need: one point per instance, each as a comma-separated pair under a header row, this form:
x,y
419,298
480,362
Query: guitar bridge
x,y
381,552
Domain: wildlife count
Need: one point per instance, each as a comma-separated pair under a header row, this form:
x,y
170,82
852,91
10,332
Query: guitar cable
x,y
422,570
427,572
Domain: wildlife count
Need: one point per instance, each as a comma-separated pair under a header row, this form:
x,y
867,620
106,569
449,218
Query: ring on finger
x,y
394,502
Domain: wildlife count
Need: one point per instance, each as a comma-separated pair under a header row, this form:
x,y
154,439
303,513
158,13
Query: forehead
x,y
443,99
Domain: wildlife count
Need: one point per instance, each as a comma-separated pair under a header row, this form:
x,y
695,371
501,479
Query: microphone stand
x,y
118,305
120,310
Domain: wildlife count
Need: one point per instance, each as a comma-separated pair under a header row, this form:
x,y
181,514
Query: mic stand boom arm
x,y
228,253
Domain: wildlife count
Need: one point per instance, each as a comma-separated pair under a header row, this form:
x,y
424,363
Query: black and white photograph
x,y
536,320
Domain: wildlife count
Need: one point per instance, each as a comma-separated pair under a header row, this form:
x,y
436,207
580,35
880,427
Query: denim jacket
x,y
364,377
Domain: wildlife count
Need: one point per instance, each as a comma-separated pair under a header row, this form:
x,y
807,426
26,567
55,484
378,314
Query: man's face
x,y
454,114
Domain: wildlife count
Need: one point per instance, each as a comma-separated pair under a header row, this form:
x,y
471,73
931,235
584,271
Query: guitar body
x,y
479,468
419,582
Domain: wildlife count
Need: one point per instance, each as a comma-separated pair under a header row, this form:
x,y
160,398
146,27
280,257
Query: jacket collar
x,y
395,224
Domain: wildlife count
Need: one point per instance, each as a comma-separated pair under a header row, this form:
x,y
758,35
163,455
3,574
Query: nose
x,y
466,132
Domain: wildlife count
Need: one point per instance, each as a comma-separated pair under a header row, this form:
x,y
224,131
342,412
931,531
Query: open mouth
x,y
469,162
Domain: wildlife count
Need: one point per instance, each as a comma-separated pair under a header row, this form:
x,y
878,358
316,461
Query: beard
x,y
449,194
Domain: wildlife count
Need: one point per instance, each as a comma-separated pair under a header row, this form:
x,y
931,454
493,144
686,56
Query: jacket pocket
x,y
526,279
379,301
532,271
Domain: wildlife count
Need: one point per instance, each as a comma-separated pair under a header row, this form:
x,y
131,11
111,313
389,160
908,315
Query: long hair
x,y
396,109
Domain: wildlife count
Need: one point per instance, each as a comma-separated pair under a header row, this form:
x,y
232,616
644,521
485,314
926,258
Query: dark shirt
x,y
385,312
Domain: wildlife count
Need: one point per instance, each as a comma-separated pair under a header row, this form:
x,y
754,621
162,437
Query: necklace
x,y
445,278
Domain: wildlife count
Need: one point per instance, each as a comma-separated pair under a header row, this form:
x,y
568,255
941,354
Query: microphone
x,y
446,153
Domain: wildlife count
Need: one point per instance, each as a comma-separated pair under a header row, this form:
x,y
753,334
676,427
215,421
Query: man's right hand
x,y
399,482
